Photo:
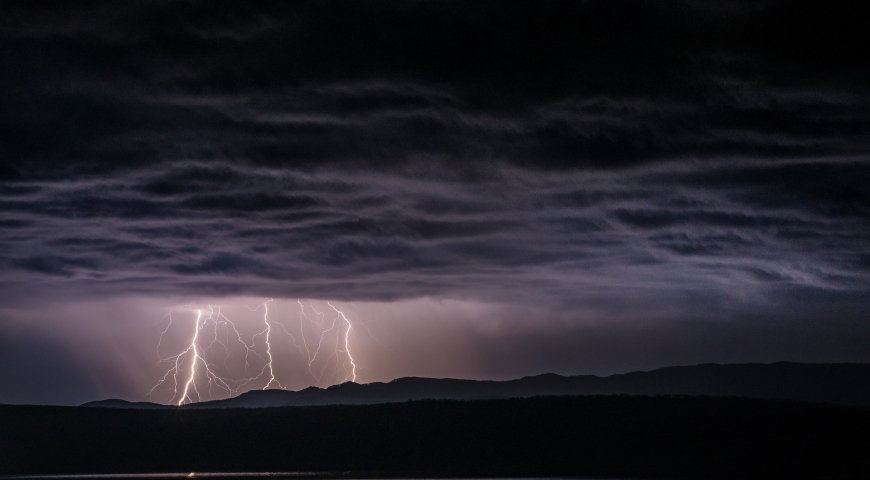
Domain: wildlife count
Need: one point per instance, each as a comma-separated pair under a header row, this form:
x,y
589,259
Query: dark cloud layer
x,y
214,227
99,86
395,149
673,158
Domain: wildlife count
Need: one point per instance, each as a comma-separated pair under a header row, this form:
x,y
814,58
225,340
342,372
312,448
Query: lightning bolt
x,y
346,344
195,358
334,352
178,360
175,358
269,348
215,335
198,361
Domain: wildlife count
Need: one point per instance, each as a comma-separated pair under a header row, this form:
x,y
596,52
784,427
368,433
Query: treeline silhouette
x,y
586,435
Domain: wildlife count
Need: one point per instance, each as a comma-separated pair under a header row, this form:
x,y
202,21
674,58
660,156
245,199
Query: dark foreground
x,y
546,436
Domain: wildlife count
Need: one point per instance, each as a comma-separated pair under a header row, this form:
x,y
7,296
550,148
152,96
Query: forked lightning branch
x,y
320,339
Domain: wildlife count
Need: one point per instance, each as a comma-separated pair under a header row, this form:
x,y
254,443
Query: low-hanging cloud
x,y
509,233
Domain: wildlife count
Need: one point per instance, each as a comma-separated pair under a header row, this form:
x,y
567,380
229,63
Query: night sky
x,y
489,189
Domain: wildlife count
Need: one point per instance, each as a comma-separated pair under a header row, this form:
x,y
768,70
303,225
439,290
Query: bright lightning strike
x,y
195,358
216,339
346,340
213,379
269,348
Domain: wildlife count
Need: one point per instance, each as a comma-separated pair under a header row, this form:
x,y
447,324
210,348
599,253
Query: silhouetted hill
x,y
847,384
117,403
681,437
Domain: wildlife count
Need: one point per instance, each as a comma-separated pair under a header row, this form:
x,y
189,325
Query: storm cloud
x,y
669,159
210,228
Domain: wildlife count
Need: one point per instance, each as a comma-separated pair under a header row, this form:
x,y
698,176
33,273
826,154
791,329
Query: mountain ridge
x,y
840,383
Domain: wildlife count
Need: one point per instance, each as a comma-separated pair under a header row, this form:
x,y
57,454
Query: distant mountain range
x,y
842,383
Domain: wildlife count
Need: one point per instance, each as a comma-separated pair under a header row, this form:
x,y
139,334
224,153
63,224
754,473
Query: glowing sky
x,y
496,189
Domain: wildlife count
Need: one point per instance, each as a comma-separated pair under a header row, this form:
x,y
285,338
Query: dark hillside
x,y
843,383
